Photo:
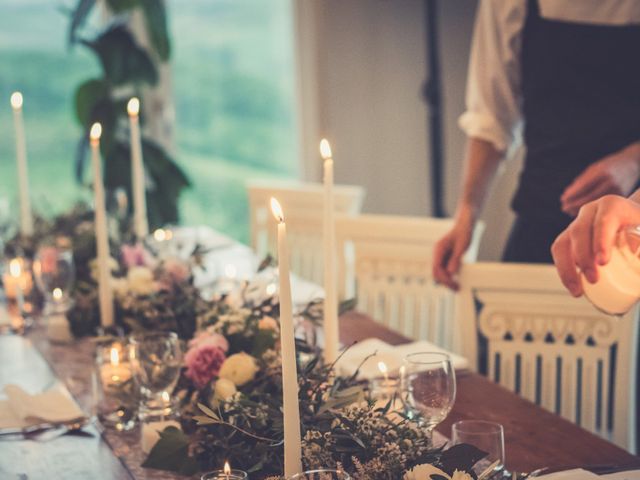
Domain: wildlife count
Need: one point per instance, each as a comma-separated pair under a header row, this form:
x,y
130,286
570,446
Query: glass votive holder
x,y
225,474
118,397
321,474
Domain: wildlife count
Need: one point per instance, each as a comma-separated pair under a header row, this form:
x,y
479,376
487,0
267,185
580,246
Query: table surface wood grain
x,y
534,438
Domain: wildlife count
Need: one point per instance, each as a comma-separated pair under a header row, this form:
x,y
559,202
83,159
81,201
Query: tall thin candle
x,y
329,242
26,219
291,408
105,294
141,226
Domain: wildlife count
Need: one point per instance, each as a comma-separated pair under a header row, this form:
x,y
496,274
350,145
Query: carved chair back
x,y
386,264
303,207
527,333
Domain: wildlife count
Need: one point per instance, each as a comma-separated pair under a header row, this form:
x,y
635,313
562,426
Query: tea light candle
x,y
115,373
150,433
227,473
17,279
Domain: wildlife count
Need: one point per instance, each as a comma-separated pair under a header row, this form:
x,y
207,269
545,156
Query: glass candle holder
x,y
386,388
225,474
321,474
117,402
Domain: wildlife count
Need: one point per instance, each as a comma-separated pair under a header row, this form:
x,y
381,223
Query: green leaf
x,y
79,16
87,96
123,61
348,305
171,453
207,411
119,6
156,23
460,457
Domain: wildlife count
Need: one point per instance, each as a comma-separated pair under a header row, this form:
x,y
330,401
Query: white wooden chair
x,y
303,207
555,350
385,263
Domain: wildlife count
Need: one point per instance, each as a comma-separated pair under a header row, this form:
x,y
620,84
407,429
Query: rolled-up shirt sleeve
x,y
493,99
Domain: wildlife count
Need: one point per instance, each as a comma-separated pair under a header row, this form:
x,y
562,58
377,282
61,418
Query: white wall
x,y
370,71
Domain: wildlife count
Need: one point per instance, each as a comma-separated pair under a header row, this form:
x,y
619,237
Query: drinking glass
x,y
156,359
54,273
487,436
323,474
117,395
428,387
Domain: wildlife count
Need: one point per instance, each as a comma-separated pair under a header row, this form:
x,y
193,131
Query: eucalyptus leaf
x,y
207,411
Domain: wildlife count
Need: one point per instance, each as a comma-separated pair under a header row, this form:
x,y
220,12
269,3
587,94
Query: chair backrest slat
x,y
525,330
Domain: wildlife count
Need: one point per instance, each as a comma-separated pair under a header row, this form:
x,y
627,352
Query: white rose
x,y
141,281
120,286
224,390
240,368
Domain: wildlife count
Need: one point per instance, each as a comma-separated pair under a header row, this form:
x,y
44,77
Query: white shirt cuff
x,y
486,127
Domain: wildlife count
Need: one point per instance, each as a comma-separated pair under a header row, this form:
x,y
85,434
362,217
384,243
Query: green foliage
x,y
171,453
156,23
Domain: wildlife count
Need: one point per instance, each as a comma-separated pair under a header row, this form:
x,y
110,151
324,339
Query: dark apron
x,y
581,102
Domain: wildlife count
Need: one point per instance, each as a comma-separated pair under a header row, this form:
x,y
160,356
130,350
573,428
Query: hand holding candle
x,y
329,238
141,226
102,237
291,409
26,219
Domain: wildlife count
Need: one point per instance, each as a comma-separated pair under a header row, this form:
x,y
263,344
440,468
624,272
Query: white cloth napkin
x,y
391,355
22,409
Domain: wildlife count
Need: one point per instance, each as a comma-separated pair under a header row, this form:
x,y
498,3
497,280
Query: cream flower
x,y
224,390
458,475
93,267
239,368
120,286
141,281
268,323
424,472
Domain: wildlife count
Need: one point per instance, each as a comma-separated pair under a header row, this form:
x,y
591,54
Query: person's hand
x,y
448,252
616,174
588,241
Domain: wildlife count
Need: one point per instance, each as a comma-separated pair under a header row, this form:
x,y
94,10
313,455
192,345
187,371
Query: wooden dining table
x,y
534,437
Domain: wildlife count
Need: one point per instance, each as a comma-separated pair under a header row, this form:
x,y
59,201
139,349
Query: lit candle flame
x,y
115,356
277,210
383,368
15,267
325,149
96,132
57,294
160,235
227,468
133,107
16,100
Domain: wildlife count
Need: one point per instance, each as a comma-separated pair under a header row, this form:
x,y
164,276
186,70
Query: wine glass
x,y
156,359
54,273
428,387
487,436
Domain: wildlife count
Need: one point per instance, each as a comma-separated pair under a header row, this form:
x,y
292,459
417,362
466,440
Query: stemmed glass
x,y
156,359
428,387
322,474
487,436
54,273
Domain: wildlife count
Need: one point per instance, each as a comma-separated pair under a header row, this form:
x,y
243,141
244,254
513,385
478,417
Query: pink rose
x,y
206,338
173,271
203,364
136,256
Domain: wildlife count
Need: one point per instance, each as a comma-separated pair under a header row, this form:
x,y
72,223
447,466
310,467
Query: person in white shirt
x,y
564,76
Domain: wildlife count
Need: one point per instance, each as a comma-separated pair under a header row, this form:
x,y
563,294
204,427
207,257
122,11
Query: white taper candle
x,y
102,236
329,242
26,219
141,226
291,408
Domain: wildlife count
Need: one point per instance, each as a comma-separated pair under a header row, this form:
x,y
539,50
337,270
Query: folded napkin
x,y
22,409
391,355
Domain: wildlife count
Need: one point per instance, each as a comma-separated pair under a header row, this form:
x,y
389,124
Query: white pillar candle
x,y
141,226
102,237
291,409
26,220
329,242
